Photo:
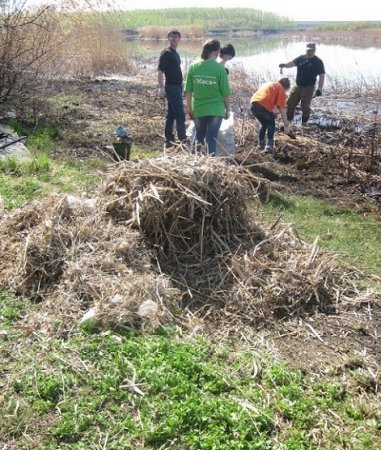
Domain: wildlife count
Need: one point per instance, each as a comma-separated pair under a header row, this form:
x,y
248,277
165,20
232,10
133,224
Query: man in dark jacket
x,y
170,79
308,68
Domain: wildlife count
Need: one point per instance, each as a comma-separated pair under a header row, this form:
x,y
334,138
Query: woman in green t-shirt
x,y
208,95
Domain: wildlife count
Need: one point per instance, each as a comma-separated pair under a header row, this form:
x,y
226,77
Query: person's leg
x,y
305,102
292,102
170,117
270,131
175,98
258,112
270,126
267,119
212,128
200,124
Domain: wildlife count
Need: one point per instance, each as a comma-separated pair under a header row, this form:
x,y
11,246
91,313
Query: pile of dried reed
x,y
192,210
282,277
63,251
187,207
164,230
194,213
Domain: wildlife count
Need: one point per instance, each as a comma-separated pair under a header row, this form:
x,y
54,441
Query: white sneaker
x,y
269,149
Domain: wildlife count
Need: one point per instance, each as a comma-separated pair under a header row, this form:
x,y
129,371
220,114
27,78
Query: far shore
x,y
364,37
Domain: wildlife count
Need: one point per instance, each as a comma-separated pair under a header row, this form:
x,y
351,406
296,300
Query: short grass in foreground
x,y
165,391
356,238
21,181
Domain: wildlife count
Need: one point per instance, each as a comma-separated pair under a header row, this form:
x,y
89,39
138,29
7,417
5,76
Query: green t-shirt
x,y
208,82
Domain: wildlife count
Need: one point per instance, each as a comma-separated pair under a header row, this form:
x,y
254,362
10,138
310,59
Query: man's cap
x,y
311,46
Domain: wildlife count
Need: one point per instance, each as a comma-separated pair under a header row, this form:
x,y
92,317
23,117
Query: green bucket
x,y
122,149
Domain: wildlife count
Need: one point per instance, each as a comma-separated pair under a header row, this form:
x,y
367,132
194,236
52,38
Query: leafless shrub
x,y
28,39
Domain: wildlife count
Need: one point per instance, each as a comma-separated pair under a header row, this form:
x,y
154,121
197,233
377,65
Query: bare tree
x,y
28,39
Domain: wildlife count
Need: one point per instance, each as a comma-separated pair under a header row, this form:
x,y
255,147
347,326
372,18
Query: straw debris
x,y
73,258
174,231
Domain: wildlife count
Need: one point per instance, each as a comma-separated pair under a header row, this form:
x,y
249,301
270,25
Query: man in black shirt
x,y
308,68
169,70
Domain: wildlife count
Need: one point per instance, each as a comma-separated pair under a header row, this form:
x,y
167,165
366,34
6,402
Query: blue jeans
x,y
175,112
267,120
207,128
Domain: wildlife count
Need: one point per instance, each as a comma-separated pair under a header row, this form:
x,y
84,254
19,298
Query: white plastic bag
x,y
225,138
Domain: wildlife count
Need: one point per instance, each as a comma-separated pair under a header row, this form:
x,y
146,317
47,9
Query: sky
x,y
359,10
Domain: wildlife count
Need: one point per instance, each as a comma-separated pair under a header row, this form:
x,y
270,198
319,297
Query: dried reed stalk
x,y
168,232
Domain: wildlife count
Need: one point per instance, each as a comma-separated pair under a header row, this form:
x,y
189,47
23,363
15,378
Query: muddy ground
x,y
336,157
341,165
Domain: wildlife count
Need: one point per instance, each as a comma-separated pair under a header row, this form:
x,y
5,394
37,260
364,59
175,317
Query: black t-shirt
x,y
308,69
170,65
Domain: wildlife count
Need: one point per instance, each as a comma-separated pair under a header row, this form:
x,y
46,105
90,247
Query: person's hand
x,y
161,93
318,93
282,66
227,114
287,129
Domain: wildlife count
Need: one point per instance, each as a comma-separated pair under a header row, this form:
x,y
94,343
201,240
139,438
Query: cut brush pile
x,y
63,252
164,233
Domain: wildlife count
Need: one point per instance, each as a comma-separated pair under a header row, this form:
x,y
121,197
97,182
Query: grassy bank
x,y
129,391
355,237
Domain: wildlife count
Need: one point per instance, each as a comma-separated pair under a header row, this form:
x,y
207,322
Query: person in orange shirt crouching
x,y
265,100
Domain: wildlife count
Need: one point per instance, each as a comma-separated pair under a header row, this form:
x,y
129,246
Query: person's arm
x,y
321,81
227,106
287,65
283,115
189,104
160,80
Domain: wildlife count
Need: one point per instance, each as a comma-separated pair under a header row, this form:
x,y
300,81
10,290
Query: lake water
x,y
344,64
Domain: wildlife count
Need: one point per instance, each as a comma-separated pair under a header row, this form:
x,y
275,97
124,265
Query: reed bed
x,y
165,240
161,32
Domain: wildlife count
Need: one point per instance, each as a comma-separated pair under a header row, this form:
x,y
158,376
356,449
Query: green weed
x,y
44,140
160,391
40,139
17,190
10,308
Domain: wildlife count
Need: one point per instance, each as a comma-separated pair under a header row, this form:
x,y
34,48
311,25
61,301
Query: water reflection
x,y
344,65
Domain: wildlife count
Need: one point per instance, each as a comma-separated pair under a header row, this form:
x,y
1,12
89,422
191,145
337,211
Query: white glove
x,y
161,93
287,129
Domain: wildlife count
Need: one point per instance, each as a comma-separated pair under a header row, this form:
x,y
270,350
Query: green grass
x,y
209,18
22,180
39,139
161,391
356,238
141,153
